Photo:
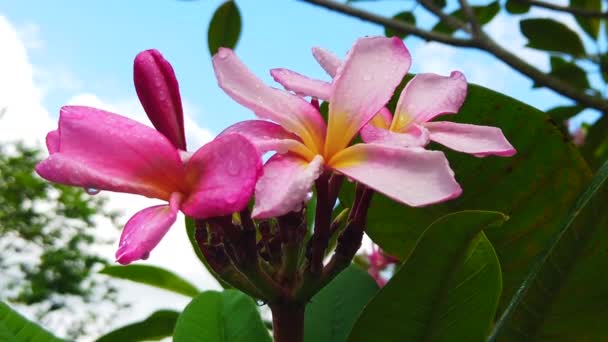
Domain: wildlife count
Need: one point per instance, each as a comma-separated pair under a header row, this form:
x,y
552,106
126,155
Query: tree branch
x,y
484,42
572,10
470,15
454,23
396,25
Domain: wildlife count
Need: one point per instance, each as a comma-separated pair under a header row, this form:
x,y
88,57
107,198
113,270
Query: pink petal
x,y
105,151
145,230
364,83
416,136
267,136
412,176
285,185
52,141
222,176
301,85
158,93
479,141
290,111
427,96
328,61
382,121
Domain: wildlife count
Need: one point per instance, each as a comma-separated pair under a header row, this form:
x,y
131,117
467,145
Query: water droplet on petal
x,y
233,168
91,191
367,77
222,54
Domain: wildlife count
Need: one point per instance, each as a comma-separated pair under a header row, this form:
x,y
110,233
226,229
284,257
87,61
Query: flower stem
x,y
288,321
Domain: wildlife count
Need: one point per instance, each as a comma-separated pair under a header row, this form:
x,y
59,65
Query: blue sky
x,y
91,45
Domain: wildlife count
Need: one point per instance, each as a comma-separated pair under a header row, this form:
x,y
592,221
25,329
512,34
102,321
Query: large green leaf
x,y
153,276
227,316
16,328
447,290
331,313
535,187
225,27
484,15
517,7
564,297
591,26
542,33
154,328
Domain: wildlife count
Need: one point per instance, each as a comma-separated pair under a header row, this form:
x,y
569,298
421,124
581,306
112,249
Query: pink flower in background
x,y
425,97
307,146
378,262
99,150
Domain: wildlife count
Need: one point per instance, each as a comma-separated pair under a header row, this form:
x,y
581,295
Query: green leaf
x,y
564,296
153,276
591,26
604,61
568,72
595,148
225,27
562,113
190,230
517,7
447,290
154,328
407,17
534,188
484,15
227,316
331,313
542,33
16,328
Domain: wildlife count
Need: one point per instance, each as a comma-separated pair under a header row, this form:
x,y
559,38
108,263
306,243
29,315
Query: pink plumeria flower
x,y
96,149
378,262
425,97
308,146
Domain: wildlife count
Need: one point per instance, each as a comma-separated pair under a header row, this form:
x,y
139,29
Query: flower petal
x,y
158,92
221,176
364,83
328,61
416,136
286,182
412,176
427,96
145,230
290,111
302,85
267,136
52,141
105,151
479,141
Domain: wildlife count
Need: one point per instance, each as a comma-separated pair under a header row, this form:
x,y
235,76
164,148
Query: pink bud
x,y
158,92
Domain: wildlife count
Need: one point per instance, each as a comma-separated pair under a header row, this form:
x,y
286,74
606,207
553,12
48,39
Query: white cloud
x,y
25,118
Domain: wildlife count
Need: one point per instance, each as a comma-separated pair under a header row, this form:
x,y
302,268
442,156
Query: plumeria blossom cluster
x,y
267,251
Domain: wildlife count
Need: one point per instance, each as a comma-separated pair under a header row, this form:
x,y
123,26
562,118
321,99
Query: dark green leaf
x,y
568,72
517,6
484,15
153,276
591,26
154,328
447,290
534,188
225,27
332,312
562,113
595,148
16,328
407,17
604,62
439,3
564,296
542,34
227,316
190,230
